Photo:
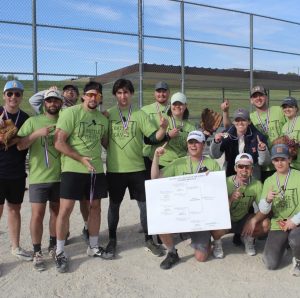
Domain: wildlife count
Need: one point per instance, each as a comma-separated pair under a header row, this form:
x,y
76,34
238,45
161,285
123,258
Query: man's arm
x,y
25,142
36,101
225,109
61,145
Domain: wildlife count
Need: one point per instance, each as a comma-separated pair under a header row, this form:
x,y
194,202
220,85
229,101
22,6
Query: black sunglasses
x,y
10,94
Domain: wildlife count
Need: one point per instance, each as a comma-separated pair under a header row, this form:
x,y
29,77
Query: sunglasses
x,y
247,167
91,95
10,94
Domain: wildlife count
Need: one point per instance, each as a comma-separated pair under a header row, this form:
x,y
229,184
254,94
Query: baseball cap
x,y
290,101
161,85
196,135
258,89
53,94
178,96
13,85
243,158
71,86
280,150
241,113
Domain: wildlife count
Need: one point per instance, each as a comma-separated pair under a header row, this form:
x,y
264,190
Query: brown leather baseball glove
x,y
7,131
210,120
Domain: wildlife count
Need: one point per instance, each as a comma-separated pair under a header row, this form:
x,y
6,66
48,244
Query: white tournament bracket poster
x,y
187,203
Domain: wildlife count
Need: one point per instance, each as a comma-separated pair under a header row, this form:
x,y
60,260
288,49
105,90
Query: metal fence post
x,y
251,51
141,50
182,46
34,48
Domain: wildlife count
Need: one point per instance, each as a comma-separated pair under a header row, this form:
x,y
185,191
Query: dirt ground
x,y
135,272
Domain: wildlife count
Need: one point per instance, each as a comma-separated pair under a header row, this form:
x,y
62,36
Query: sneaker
x,y
38,261
155,249
295,271
236,240
85,235
52,250
96,252
170,260
249,245
61,262
21,254
110,251
218,249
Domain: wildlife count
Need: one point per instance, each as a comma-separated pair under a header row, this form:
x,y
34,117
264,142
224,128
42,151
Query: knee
x,y
14,209
266,225
270,264
201,256
37,217
294,240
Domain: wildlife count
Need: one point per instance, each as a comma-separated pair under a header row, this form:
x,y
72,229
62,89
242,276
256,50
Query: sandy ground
x,y
135,272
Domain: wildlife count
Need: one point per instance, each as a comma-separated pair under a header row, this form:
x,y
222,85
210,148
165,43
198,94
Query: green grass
x,y
198,99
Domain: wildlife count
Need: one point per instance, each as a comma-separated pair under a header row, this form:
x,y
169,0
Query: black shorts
x,y
43,192
79,186
12,190
237,226
118,182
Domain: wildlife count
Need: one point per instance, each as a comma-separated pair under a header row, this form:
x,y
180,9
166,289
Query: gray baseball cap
x,y
161,85
290,101
241,113
280,150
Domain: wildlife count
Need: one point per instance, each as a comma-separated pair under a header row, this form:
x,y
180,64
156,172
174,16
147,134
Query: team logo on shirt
x,y
122,136
287,206
90,133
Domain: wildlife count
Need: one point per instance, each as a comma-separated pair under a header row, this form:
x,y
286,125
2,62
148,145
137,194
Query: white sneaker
x,y
249,245
295,271
38,261
218,249
21,254
97,252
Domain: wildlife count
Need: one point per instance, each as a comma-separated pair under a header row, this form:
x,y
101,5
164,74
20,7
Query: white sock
x,y
60,244
86,225
93,241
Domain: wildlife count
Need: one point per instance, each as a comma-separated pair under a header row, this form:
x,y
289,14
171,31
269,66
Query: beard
x,y
52,111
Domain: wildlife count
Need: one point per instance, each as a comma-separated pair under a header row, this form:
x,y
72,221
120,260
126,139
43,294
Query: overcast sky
x,y
78,52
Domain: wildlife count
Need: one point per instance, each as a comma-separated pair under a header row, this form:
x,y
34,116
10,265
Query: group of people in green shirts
x,y
65,143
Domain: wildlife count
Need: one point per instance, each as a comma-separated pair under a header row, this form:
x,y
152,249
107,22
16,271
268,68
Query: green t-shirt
x,y
185,166
85,131
38,170
251,193
125,147
276,121
290,204
294,134
152,112
176,147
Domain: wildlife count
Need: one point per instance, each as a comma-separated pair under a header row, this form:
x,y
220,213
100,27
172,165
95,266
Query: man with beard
x,y
70,98
80,131
37,134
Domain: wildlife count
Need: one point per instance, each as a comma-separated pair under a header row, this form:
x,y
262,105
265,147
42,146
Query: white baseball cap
x,y
244,157
196,135
178,96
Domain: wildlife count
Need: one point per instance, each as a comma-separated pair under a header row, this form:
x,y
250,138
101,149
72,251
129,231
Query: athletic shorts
x,y
43,192
200,240
237,227
80,186
118,182
12,190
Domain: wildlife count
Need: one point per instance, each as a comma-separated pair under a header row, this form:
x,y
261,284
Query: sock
x,y
172,249
52,241
60,244
86,225
37,247
93,241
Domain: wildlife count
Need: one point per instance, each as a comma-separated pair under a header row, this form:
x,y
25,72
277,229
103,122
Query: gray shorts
x,y
43,192
200,240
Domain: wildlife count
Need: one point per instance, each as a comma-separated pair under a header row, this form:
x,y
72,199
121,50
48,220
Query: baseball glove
x,y
7,131
210,120
292,144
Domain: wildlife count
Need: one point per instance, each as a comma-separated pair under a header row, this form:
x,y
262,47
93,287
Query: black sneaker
x,y
171,259
85,235
154,248
110,251
38,261
61,262
237,240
